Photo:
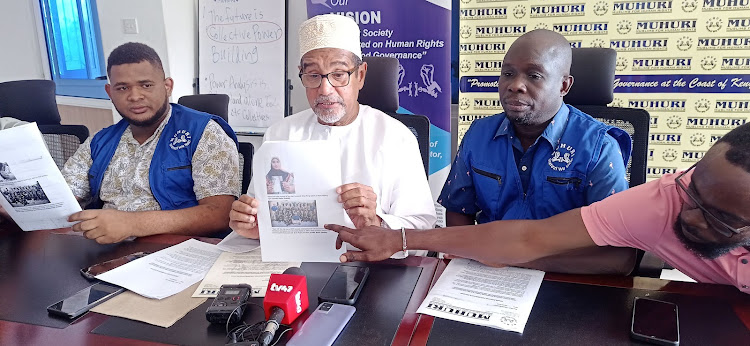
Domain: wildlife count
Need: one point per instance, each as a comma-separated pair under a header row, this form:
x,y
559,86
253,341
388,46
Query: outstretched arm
x,y
496,243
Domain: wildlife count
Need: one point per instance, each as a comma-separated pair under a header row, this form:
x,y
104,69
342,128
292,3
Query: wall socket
x,y
130,26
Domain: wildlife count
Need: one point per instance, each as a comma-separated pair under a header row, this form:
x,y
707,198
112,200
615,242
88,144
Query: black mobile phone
x,y
87,298
655,321
99,268
344,285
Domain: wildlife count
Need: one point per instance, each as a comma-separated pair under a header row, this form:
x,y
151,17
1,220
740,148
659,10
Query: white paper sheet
x,y
291,216
166,272
471,292
34,192
241,268
237,244
675,275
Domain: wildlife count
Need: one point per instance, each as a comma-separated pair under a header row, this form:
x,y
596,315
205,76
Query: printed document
x,y
166,272
296,183
34,192
241,268
237,243
474,293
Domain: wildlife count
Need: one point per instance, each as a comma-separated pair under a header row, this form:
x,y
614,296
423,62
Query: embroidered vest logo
x,y
180,140
562,157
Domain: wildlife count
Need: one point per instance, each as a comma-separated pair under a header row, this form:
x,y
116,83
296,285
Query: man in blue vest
x,y
540,157
163,168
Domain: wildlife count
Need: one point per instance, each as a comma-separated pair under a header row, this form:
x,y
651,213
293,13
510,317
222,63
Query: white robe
x,y
376,150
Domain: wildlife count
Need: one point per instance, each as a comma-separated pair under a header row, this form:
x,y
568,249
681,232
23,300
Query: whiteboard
x,y
242,53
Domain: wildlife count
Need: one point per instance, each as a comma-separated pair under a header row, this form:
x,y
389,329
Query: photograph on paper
x,y
5,173
295,207
25,195
278,180
293,214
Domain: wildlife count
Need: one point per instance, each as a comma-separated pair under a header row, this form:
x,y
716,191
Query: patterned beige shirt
x,y
125,185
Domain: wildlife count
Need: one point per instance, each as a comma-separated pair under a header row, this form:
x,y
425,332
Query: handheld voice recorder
x,y
229,304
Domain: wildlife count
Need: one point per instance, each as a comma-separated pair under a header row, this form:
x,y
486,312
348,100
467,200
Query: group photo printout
x,y
295,183
471,292
32,189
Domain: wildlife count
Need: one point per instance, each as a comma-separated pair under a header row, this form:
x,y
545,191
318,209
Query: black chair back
x,y
216,104
30,100
246,164
593,70
63,140
420,127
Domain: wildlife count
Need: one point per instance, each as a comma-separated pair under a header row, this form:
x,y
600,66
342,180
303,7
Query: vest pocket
x,y
180,167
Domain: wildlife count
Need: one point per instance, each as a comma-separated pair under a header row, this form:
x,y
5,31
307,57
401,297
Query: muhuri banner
x,y
687,62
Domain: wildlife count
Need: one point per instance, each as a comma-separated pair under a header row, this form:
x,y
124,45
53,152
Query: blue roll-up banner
x,y
417,32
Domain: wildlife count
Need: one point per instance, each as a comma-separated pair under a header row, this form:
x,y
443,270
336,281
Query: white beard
x,y
330,117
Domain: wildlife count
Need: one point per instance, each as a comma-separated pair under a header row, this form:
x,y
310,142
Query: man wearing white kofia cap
x,y
381,166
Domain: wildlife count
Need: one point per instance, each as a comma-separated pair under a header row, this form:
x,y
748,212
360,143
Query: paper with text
x,y
237,243
32,189
474,293
166,272
296,183
241,268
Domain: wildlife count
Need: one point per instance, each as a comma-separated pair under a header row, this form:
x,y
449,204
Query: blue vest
x,y
559,177
170,173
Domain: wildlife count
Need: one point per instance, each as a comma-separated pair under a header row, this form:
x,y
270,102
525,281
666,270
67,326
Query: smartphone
x,y
323,326
655,321
87,298
99,268
344,285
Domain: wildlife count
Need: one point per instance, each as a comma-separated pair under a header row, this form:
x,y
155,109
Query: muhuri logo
x,y
575,44
653,121
581,28
656,172
735,63
725,5
651,154
732,106
638,45
482,48
669,155
500,30
467,118
654,6
661,64
738,24
487,104
676,25
487,65
665,138
714,123
658,105
692,155
559,10
723,43
714,139
484,13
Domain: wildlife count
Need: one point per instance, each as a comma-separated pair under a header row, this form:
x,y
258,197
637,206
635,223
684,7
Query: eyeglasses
x,y
720,226
337,79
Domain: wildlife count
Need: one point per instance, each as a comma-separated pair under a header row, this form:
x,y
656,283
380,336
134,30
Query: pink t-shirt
x,y
643,217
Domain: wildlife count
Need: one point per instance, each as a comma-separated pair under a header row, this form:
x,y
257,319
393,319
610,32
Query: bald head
x,y
549,45
535,76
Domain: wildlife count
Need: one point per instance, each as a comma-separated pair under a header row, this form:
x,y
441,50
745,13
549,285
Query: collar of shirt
x,y
128,134
552,133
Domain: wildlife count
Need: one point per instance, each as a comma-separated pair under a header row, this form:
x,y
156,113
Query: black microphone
x,y
286,299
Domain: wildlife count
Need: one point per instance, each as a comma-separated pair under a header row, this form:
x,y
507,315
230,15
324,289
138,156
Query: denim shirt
x,y
575,162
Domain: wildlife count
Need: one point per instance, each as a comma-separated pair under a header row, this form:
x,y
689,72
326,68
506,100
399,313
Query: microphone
x,y
286,299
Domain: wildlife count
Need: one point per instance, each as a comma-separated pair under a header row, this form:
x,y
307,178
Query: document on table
x,y
296,183
166,272
237,243
241,268
471,292
34,192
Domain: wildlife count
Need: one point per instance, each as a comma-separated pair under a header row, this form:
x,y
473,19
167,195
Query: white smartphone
x,y
323,326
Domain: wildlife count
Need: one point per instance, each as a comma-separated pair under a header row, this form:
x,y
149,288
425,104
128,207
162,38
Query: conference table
x,y
40,268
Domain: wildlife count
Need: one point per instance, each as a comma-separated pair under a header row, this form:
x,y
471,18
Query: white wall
x,y
181,28
21,57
